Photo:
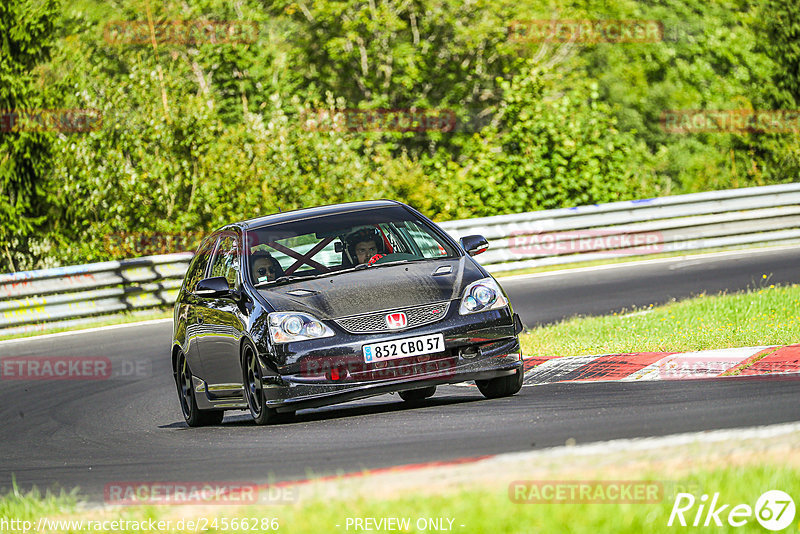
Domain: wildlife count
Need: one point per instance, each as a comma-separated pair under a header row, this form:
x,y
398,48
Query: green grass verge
x,y
33,504
479,510
493,511
768,316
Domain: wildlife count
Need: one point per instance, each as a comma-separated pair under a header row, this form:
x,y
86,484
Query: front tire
x,y
503,386
193,415
254,390
413,395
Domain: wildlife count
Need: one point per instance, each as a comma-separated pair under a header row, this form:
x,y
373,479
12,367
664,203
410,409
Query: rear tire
x,y
412,395
503,386
254,390
193,415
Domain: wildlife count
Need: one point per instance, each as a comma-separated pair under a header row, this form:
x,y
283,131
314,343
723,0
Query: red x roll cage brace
x,y
306,258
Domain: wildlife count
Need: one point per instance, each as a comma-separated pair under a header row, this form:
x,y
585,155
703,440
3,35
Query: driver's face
x,y
263,270
365,250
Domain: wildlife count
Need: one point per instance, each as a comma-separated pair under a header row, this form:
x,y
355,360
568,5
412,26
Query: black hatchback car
x,y
324,305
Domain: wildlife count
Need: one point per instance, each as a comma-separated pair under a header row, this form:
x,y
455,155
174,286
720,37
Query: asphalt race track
x,y
129,429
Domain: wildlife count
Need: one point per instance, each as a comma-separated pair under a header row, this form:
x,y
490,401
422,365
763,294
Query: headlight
x,y
285,327
482,295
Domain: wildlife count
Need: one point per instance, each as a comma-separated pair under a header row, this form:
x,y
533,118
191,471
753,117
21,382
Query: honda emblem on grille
x,y
396,320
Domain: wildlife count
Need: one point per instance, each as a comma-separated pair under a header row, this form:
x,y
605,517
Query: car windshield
x,y
332,244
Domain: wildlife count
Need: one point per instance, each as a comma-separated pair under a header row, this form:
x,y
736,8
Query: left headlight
x,y
285,327
482,295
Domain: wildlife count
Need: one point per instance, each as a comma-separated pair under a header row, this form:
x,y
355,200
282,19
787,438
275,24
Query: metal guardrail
x,y
62,297
769,214
66,296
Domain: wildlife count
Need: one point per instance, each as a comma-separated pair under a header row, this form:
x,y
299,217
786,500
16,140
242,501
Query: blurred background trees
x,y
197,134
25,158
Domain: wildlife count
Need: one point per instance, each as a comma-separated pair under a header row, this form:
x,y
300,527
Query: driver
x,y
264,268
363,244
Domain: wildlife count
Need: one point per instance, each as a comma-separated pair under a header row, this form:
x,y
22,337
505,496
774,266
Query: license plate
x,y
403,348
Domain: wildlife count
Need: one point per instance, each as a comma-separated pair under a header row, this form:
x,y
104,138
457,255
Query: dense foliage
x,y
26,35
201,131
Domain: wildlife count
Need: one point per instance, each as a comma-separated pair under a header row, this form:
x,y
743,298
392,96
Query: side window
x,y
427,244
198,266
226,259
390,231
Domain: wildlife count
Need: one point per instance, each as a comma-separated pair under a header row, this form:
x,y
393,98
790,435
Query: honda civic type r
x,y
329,304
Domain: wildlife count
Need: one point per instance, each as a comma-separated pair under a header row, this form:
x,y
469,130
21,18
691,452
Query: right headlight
x,y
482,295
285,327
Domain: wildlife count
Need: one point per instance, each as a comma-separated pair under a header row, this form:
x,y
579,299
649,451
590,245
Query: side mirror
x,y
474,244
214,287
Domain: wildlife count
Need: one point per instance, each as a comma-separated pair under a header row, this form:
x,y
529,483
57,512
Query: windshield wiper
x,y
362,266
396,262
288,278
359,267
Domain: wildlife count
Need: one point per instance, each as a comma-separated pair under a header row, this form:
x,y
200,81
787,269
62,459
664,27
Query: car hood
x,y
374,289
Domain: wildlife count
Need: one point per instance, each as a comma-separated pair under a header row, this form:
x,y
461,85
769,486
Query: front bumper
x,y
480,346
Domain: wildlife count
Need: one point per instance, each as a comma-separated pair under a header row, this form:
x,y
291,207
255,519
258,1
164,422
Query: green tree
x,y
552,150
398,54
708,58
198,134
779,27
26,37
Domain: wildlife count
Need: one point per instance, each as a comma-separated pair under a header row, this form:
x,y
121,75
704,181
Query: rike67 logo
x,y
774,510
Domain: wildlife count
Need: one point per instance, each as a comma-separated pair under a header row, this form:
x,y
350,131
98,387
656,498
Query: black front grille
x,y
376,322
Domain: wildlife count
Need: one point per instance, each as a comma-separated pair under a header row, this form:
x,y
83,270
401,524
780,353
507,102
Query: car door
x,y
223,322
188,312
